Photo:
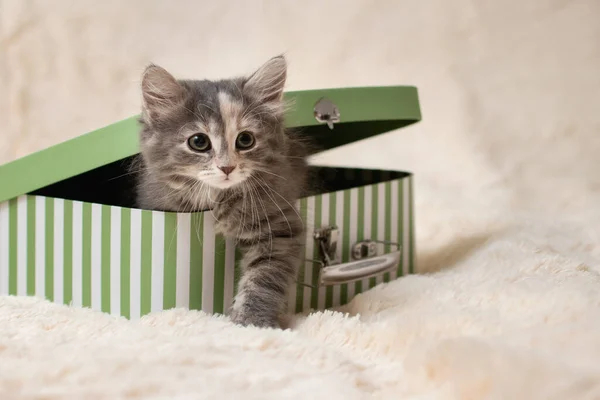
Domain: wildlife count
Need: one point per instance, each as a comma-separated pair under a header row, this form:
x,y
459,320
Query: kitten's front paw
x,y
250,319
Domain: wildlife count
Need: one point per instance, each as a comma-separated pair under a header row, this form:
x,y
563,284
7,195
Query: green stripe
x,y
197,227
219,277
86,276
12,246
300,277
412,226
125,261
105,258
146,267
388,222
30,245
314,291
49,283
360,230
374,220
68,253
332,218
345,244
170,262
400,207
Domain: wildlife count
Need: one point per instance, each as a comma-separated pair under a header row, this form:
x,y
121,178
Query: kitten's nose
x,y
227,169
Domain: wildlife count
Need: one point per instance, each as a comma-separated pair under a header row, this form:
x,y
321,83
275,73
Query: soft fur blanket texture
x,y
506,162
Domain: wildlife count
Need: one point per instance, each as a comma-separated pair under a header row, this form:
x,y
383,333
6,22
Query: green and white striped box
x,y
68,233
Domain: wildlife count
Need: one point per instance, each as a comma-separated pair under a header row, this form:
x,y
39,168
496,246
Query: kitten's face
x,y
212,133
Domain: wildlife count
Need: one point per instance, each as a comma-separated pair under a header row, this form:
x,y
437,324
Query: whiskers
x,y
135,168
266,186
266,214
269,173
273,191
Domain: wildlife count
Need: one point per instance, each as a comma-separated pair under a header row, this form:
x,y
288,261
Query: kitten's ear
x,y
268,81
161,93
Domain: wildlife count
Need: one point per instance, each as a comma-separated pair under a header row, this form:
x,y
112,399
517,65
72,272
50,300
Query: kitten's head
x,y
214,132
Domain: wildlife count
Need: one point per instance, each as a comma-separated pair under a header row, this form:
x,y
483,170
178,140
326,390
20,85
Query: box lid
x,y
363,112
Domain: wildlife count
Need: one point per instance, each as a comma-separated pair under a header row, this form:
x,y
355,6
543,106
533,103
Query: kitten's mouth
x,y
221,180
224,182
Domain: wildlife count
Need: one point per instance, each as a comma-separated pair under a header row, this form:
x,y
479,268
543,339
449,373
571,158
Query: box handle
x,y
358,270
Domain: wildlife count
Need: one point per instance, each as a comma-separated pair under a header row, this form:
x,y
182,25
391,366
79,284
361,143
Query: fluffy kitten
x,y
222,145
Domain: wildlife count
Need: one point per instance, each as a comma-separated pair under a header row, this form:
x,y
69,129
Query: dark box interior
x,y
114,184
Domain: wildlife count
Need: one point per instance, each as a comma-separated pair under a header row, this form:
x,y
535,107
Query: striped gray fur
x,y
255,203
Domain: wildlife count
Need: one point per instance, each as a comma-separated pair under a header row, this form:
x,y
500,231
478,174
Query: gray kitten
x,y
222,145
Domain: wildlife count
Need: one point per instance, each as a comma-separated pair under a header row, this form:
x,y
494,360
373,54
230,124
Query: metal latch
x,y
327,238
364,249
366,261
326,111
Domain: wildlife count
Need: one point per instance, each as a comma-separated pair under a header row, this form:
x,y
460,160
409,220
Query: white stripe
x,y
96,255
367,224
22,246
406,226
380,222
208,262
353,233
183,260
77,253
339,221
40,246
324,222
115,261
308,265
229,275
4,248
294,287
135,260
394,225
59,248
158,260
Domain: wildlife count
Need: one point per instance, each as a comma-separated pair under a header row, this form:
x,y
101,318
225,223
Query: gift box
x,y
69,231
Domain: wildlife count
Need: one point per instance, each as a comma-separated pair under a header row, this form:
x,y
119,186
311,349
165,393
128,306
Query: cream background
x,y
507,192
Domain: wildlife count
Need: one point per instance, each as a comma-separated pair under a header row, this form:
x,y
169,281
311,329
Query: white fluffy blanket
x,y
507,199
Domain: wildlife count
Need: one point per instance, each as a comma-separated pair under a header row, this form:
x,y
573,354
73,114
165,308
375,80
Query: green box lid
x,y
364,112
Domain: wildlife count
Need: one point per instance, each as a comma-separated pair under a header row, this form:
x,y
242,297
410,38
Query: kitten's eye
x,y
199,142
244,141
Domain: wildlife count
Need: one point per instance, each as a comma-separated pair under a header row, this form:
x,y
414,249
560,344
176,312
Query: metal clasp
x,y
367,262
327,239
368,248
326,111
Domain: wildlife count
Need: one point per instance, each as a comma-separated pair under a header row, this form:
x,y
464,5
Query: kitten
x,y
222,145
